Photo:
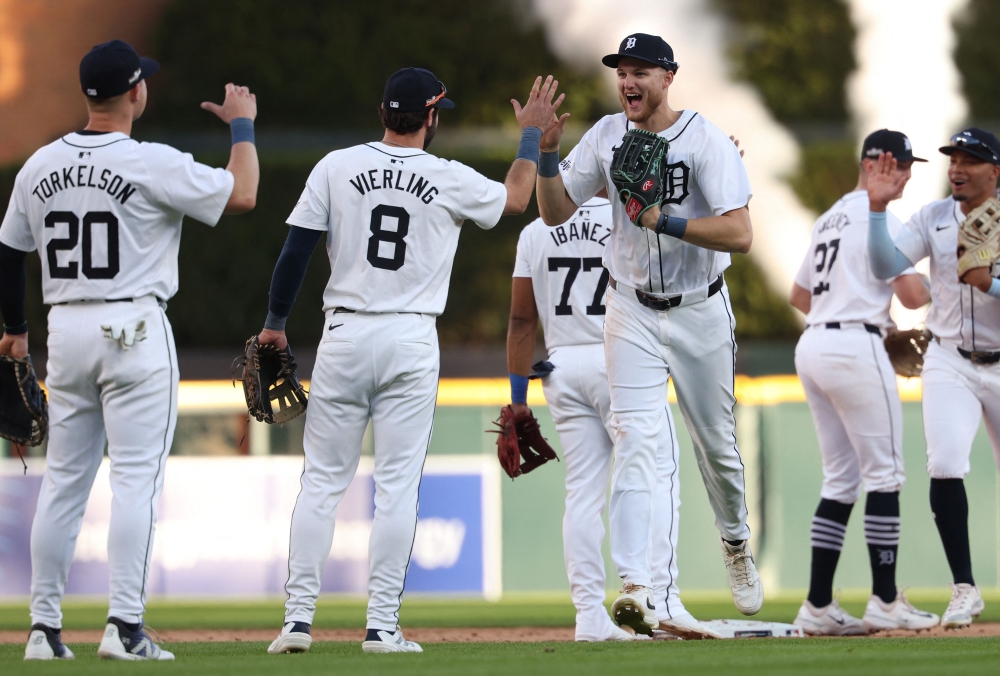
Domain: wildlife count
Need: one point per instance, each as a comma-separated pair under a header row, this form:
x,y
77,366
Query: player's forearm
x,y
554,203
731,232
245,168
13,286
885,259
289,273
801,299
520,182
521,334
911,291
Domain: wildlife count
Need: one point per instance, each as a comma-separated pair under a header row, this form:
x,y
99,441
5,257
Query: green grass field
x,y
811,656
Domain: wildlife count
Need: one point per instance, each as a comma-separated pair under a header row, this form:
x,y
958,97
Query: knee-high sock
x,y
950,508
882,536
829,526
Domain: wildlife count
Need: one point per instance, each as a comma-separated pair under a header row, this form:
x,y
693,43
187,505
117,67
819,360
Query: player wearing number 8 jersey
x,y
851,389
392,214
105,212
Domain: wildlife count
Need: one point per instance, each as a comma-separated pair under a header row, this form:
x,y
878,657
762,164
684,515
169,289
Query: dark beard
x,y
431,130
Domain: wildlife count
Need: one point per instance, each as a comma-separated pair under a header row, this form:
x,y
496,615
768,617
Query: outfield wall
x,y
512,540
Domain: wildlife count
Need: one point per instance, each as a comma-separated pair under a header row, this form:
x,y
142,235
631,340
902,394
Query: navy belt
x,y
664,304
870,328
980,357
98,300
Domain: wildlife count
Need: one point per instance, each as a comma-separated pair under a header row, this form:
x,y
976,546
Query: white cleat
x,y
686,627
45,643
384,641
829,620
634,608
295,637
748,590
121,643
608,631
966,604
900,614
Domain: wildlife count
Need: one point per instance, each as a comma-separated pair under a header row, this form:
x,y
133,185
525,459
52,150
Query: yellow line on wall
x,y
219,396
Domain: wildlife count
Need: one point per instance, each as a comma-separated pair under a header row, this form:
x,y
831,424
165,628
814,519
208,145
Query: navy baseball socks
x,y
829,525
950,507
882,536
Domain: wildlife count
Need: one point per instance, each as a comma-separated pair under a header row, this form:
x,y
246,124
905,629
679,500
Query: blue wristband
x,y
274,322
994,288
518,389
241,129
531,137
673,226
548,164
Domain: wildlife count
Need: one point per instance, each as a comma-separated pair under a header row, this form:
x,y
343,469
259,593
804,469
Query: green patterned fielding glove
x,y
637,167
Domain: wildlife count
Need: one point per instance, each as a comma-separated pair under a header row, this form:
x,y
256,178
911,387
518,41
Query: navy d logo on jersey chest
x,y
675,184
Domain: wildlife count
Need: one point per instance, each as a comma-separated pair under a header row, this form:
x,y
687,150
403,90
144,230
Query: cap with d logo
x,y
112,68
650,48
888,141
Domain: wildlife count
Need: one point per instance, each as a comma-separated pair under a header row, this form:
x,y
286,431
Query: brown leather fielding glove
x,y
24,411
519,437
268,379
906,350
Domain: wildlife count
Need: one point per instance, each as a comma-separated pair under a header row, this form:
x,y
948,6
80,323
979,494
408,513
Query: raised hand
x,y
553,135
540,110
885,184
239,102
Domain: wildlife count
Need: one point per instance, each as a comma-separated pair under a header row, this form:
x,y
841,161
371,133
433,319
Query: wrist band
x,y
528,148
16,330
673,226
518,389
548,164
241,129
274,322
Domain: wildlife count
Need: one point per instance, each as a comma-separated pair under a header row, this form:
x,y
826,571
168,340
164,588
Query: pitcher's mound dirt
x,y
430,635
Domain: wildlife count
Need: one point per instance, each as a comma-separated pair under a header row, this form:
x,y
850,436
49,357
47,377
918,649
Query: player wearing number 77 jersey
x,y
851,389
392,214
105,211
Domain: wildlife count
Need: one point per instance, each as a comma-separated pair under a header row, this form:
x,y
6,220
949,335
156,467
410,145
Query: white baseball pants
x,y
957,394
693,344
580,403
382,367
851,389
99,392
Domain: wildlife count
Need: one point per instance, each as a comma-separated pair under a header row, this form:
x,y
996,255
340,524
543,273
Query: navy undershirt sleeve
x,y
13,286
289,273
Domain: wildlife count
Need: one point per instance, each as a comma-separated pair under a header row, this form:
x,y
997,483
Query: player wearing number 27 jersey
x,y
851,389
392,214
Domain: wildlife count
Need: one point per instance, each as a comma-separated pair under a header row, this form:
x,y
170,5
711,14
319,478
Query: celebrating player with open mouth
x,y
107,211
392,214
680,210
961,375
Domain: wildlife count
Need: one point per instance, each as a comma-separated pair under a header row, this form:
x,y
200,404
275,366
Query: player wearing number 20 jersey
x,y
851,389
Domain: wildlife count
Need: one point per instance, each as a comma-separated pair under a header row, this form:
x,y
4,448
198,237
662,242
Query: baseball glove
x,y
268,377
24,411
906,350
637,168
519,437
979,238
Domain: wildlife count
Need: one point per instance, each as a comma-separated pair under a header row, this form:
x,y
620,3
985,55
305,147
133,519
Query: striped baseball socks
x,y
829,526
882,536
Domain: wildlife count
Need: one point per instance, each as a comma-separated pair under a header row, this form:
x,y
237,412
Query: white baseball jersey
x,y
567,275
836,268
959,313
705,177
107,210
392,217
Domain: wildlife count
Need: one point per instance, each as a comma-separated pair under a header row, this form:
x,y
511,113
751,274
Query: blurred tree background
x,y
978,59
320,66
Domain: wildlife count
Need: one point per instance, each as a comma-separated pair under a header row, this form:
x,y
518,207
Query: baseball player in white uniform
x,y
961,375
392,214
105,212
559,279
668,312
851,389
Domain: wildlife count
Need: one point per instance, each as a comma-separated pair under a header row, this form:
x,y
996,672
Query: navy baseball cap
x,y
112,68
977,142
887,141
650,48
412,90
